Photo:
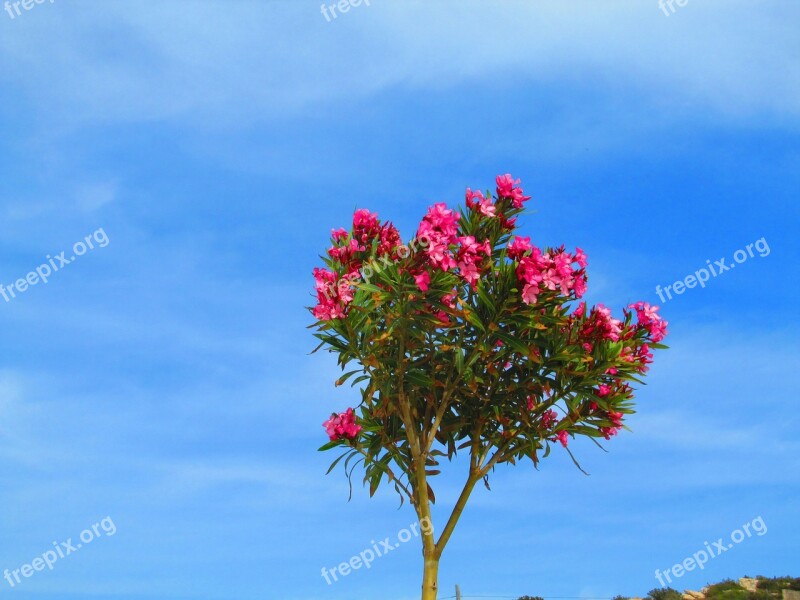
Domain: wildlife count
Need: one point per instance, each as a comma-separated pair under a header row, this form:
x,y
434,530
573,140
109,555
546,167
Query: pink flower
x,y
580,258
549,417
530,293
603,390
611,328
609,431
423,280
468,245
443,318
390,239
342,426
649,318
507,223
443,219
615,418
323,278
531,266
332,295
486,208
518,247
439,228
507,187
562,437
365,226
327,311
339,234
579,286
469,257
470,198
469,271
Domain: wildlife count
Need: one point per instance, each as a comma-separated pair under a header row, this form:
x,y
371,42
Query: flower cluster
x,y
447,249
333,295
508,187
650,320
469,257
342,426
597,326
553,270
440,228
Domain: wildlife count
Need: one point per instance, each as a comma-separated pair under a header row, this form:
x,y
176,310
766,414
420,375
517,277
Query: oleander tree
x,y
469,339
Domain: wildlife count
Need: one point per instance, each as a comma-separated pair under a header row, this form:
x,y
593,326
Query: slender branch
x,y
431,437
473,478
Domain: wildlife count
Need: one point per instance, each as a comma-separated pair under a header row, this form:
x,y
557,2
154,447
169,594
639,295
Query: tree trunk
x,y
430,576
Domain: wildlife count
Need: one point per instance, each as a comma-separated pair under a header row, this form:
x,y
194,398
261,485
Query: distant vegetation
x,y
767,588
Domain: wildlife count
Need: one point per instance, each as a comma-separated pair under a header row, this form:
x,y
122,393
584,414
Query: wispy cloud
x,y
247,62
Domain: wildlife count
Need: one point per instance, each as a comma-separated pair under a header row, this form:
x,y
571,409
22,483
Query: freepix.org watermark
x,y
704,274
668,6
12,8
370,268
342,5
701,557
366,557
42,273
60,550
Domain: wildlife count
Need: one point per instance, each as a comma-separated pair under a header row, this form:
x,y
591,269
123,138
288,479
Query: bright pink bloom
x,y
443,218
549,417
468,244
323,278
486,208
507,187
530,293
609,431
390,239
423,280
562,436
332,295
518,247
443,317
615,418
440,228
579,286
603,390
469,258
469,271
327,311
580,258
507,223
339,234
365,226
610,327
342,426
650,319
470,198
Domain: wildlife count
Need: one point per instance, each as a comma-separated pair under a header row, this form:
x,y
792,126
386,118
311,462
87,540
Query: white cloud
x,y
224,64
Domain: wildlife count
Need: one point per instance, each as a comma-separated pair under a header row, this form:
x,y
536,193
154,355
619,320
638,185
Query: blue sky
x,y
164,380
